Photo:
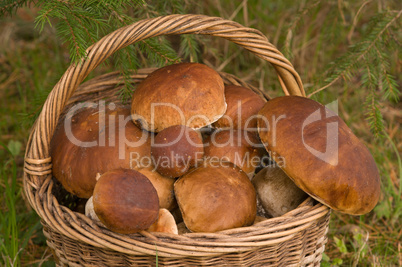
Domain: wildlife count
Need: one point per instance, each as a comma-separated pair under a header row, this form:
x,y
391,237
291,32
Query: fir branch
x,y
391,87
126,92
371,80
189,47
9,7
373,113
68,27
343,66
75,49
159,51
370,57
387,82
126,61
89,35
80,23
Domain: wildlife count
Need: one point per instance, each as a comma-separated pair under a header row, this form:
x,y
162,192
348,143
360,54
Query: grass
x,y
9,227
27,70
312,34
17,227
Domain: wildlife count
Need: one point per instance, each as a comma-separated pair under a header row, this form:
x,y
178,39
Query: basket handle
x,y
248,38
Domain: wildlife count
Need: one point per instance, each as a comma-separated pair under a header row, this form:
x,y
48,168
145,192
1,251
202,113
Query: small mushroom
x,y
276,192
176,149
165,223
89,207
125,201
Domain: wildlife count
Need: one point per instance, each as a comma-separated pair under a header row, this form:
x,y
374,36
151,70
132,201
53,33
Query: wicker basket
x,y
296,238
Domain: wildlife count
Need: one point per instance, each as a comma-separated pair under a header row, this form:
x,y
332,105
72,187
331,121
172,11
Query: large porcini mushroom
x,y
190,94
94,140
216,196
276,191
125,201
240,147
176,149
321,154
243,105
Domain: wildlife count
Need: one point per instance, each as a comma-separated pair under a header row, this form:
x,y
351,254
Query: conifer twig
x,y
10,7
345,71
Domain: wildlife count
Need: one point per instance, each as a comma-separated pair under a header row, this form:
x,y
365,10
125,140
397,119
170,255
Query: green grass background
x,y
312,34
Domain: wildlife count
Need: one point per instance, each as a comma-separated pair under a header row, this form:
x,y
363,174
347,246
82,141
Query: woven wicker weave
x,y
297,238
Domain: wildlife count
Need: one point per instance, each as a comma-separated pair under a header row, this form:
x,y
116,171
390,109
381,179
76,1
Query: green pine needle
x,y
350,62
370,58
9,7
159,51
190,47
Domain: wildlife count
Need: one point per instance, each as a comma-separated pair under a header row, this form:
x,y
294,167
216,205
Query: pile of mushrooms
x,y
188,156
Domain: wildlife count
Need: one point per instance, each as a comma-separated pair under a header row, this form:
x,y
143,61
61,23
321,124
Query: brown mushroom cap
x,y
99,141
190,94
164,187
243,106
321,154
242,148
125,201
276,191
216,197
176,149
